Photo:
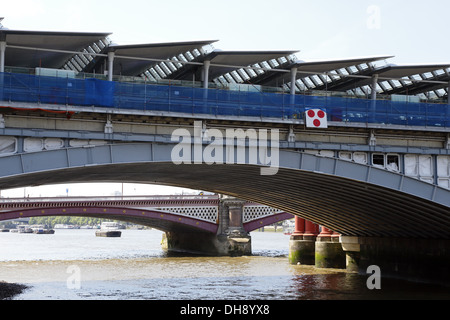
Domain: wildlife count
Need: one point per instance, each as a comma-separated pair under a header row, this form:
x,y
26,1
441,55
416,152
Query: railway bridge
x,y
356,145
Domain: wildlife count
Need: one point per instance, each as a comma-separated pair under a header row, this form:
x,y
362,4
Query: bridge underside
x,y
348,206
155,219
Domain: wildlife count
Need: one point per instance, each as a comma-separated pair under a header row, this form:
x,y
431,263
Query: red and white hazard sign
x,y
316,118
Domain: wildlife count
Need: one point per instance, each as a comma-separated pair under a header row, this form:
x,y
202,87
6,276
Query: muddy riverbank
x,y
9,290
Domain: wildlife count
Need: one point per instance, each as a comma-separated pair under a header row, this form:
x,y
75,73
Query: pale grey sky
x,y
414,31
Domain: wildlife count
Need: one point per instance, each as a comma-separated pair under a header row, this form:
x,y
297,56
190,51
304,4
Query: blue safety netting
x,y
169,98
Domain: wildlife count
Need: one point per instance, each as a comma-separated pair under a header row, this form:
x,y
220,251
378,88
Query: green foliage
x,y
51,221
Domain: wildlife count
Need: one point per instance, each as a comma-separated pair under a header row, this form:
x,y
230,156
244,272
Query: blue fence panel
x,y
77,89
51,90
415,113
357,110
100,93
20,87
336,109
396,113
180,99
436,115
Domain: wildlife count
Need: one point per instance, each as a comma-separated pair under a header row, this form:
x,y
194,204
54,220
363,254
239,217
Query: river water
x,y
77,265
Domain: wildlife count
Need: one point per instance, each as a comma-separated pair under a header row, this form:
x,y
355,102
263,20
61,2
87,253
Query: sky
x,y
413,31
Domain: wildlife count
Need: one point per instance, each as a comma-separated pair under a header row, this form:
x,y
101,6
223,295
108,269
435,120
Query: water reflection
x,y
351,286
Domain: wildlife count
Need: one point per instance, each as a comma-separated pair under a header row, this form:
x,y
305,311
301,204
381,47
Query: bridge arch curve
x,y
163,221
350,198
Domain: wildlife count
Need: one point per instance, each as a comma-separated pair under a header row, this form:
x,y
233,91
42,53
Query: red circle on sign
x,y
316,123
320,114
311,113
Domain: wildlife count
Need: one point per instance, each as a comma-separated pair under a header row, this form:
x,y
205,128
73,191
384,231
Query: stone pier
x,y
235,241
231,238
308,247
328,250
302,242
424,260
351,248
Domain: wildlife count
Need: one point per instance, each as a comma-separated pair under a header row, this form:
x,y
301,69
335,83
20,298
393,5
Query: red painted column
x,y
325,234
311,231
299,229
335,236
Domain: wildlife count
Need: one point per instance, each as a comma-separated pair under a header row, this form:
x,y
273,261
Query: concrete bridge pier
x,y
351,249
328,250
423,260
231,238
308,247
302,242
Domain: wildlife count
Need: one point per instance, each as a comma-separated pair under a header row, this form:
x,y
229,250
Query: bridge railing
x,y
217,102
110,198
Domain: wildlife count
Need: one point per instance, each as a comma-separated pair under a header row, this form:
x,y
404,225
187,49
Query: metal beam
x,y
2,55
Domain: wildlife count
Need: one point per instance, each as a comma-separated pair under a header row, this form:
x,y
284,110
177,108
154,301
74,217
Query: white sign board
x,y
316,118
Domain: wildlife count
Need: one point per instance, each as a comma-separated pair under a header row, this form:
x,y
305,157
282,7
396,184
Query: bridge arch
x,y
350,198
161,220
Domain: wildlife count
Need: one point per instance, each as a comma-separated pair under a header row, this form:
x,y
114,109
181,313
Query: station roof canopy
x,y
400,71
56,41
223,62
309,68
87,52
132,60
385,73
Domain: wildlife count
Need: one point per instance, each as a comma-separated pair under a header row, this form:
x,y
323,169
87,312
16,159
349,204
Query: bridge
x,y
375,168
203,215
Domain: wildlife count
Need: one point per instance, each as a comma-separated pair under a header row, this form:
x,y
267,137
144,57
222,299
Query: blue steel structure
x,y
193,100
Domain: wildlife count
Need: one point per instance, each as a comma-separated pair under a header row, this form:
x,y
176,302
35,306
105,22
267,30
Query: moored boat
x,y
40,229
108,233
24,229
108,229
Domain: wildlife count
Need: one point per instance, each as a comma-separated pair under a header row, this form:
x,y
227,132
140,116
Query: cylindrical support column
x,y
206,65
311,231
110,65
293,80
328,251
299,228
329,255
335,236
325,234
373,91
2,68
302,247
2,55
373,96
448,93
292,96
